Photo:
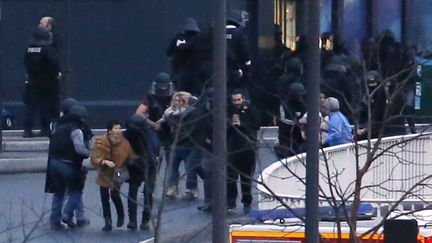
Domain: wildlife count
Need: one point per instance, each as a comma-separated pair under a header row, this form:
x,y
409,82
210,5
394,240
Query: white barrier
x,y
400,163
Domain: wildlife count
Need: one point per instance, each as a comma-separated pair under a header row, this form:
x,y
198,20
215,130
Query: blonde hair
x,y
181,96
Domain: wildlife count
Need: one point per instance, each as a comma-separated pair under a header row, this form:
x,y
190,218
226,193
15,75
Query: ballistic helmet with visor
x,y
162,85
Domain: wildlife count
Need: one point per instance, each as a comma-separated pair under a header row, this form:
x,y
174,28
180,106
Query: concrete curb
x,y
21,146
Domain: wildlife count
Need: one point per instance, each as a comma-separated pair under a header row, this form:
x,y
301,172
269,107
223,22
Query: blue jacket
x,y
339,131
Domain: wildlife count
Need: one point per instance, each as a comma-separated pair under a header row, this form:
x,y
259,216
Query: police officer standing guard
x,y
42,88
238,52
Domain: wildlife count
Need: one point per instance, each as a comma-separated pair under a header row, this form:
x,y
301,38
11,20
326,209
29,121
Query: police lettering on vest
x,y
34,49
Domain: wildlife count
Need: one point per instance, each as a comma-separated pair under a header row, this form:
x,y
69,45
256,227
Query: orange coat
x,y
118,154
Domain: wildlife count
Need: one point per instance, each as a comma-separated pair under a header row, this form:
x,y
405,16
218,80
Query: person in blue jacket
x,y
339,129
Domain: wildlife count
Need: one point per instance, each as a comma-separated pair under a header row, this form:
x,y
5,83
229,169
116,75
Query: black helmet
x,y
235,17
162,85
334,67
190,24
297,89
372,78
337,59
136,121
79,110
294,64
354,61
67,104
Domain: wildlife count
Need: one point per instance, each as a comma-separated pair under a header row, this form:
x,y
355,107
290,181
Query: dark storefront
x,y
112,49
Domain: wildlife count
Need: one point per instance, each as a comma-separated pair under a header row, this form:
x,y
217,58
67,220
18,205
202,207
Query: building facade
x,y
111,50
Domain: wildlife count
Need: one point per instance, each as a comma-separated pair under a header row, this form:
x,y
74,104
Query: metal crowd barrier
x,y
401,164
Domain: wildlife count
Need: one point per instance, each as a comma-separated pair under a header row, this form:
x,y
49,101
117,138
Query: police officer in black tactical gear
x,y
69,146
180,53
376,97
238,52
65,108
292,109
293,72
335,84
153,106
42,87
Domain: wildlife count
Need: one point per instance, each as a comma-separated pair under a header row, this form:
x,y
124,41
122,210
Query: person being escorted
x,y
339,129
111,151
142,169
242,142
67,149
42,87
172,120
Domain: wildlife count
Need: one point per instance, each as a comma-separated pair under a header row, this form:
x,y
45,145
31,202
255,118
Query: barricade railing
x,y
400,171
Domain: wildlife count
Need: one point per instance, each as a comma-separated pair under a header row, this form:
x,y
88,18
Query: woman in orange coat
x,y
111,151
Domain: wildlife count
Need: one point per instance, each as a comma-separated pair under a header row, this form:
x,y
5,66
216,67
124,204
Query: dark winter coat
x,y
243,136
289,128
67,123
238,56
42,65
180,50
194,127
141,147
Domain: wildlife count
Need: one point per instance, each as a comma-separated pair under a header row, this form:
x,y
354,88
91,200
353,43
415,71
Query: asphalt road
x,y
24,212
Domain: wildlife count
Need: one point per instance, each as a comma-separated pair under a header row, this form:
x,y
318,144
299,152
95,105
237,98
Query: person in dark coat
x,y
238,53
68,147
293,72
205,106
243,125
141,170
373,103
65,107
202,63
335,84
180,53
301,49
42,87
292,108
